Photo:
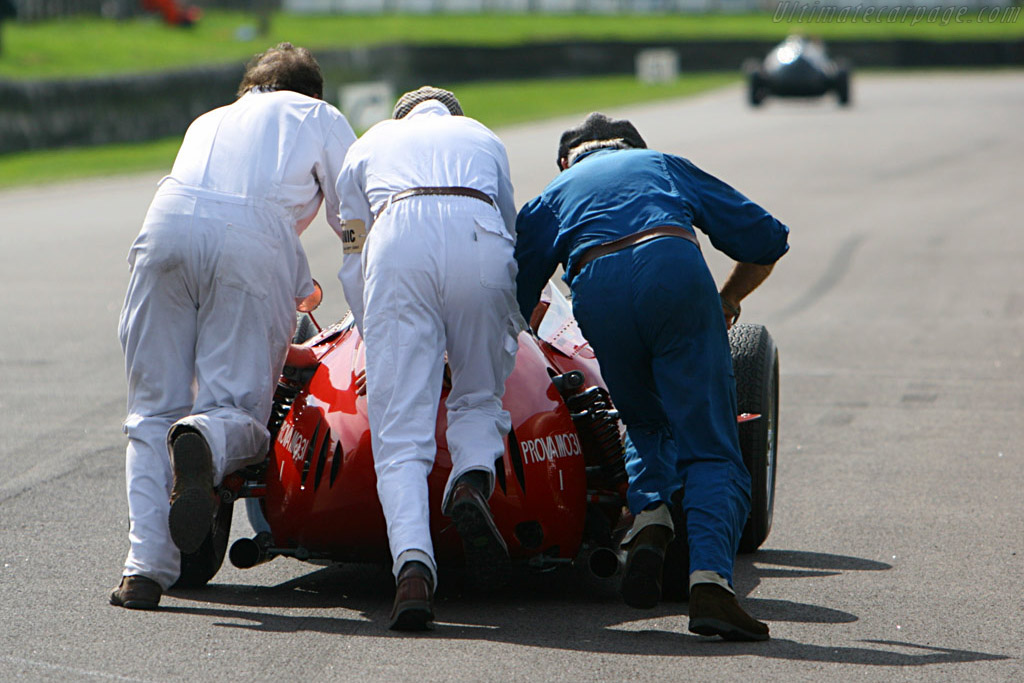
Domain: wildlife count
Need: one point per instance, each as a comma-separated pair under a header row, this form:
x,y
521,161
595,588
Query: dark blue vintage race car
x,y
797,67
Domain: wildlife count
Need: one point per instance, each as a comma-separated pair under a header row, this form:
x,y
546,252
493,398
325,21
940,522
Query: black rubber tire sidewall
x,y
675,580
198,568
843,88
756,89
756,368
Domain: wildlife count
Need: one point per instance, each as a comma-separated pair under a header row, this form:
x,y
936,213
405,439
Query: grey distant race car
x,y
797,67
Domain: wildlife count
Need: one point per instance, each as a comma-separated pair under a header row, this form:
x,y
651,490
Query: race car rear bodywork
x,y
560,485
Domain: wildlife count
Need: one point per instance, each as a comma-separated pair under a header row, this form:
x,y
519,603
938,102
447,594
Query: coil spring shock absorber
x,y
288,387
284,396
597,423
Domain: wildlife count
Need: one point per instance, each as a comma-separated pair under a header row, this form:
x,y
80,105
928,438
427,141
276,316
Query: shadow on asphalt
x,y
565,609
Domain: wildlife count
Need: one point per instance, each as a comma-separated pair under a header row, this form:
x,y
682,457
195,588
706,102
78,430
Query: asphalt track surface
x,y
898,545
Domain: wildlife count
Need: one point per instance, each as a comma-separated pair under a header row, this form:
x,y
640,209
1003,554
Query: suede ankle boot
x,y
714,611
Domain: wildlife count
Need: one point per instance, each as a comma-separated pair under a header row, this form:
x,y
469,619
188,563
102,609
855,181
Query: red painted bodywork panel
x,y
320,483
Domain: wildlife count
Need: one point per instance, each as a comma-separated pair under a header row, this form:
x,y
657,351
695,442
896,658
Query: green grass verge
x,y
507,102
88,46
496,104
52,165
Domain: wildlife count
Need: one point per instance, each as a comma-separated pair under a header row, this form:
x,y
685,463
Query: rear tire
x,y
675,581
757,90
755,363
198,568
843,86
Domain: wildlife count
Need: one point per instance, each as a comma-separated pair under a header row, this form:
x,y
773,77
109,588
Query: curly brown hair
x,y
284,67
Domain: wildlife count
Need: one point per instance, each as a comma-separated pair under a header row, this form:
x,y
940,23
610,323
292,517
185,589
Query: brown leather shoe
x,y
137,592
192,497
487,560
645,559
714,611
414,599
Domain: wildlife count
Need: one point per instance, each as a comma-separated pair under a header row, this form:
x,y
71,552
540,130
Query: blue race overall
x,y
653,317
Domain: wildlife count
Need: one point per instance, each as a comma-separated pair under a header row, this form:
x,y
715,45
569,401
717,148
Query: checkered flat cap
x,y
409,100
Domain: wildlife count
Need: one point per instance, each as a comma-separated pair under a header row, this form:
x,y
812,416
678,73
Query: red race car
x,y
560,491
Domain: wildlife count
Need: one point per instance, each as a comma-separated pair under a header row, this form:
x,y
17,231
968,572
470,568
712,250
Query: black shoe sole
x,y
414,616
641,582
191,514
487,560
137,604
717,627
117,601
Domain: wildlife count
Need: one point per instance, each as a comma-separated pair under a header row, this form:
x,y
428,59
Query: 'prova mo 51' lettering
x,y
292,441
550,448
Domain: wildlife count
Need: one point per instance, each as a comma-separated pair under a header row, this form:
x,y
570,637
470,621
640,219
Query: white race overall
x,y
426,276
210,308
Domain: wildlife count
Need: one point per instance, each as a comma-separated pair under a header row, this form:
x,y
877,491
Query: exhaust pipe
x,y
246,553
604,563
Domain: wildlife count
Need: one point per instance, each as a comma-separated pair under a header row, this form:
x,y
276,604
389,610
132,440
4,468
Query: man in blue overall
x,y
618,218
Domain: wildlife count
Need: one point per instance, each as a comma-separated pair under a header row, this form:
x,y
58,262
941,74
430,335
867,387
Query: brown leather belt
x,y
436,191
636,238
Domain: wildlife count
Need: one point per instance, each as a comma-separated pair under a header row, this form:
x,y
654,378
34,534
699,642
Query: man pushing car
x,y
618,218
215,275
428,270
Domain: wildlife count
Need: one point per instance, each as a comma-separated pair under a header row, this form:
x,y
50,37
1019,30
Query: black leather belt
x,y
636,238
435,191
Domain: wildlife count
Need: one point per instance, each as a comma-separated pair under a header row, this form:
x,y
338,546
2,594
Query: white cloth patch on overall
x,y
659,516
